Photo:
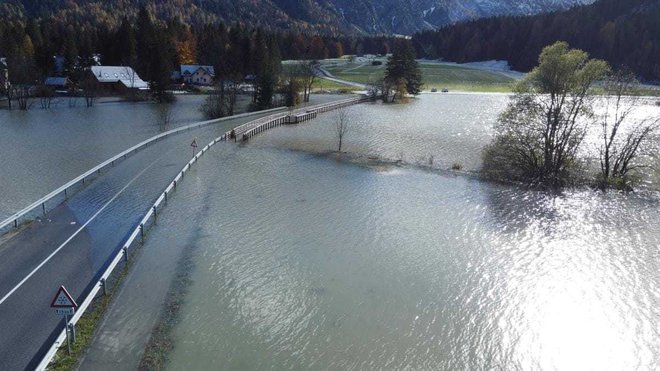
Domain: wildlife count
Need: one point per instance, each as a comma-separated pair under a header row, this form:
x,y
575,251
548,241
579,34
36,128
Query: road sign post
x,y
64,305
72,328
66,331
194,146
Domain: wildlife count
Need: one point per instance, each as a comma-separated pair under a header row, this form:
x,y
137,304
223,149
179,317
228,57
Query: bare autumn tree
x,y
221,102
8,92
5,85
290,90
164,116
538,135
90,89
45,95
374,89
214,105
623,135
22,95
341,127
306,72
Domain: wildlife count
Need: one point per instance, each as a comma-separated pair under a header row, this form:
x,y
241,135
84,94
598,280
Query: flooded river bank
x,y
304,262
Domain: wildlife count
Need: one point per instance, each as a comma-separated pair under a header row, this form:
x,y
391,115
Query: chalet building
x,y
4,74
117,79
59,83
197,75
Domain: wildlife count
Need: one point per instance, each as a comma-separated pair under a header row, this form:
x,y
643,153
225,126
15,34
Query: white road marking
x,y
76,232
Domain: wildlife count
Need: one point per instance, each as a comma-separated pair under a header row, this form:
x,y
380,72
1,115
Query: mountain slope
x,y
352,16
405,17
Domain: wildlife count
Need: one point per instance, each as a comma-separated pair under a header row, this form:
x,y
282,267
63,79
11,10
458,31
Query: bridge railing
x,y
54,198
135,239
250,129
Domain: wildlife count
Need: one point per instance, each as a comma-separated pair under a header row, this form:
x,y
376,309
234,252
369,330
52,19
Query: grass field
x,y
324,84
319,83
434,76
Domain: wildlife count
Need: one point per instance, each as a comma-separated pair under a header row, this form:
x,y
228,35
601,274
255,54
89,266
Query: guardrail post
x,y
43,207
165,196
15,223
175,184
125,250
72,329
103,286
155,215
142,232
65,195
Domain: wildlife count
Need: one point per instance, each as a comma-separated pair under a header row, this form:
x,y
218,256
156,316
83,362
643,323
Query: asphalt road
x,y
328,76
73,243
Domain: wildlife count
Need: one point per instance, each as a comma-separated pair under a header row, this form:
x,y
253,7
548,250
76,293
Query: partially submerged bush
x,y
538,135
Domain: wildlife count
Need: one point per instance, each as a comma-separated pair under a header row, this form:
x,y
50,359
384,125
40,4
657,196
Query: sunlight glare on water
x,y
308,263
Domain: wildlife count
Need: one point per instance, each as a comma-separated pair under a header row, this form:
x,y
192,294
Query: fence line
x,y
15,219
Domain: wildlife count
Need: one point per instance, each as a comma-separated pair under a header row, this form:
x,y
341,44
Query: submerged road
x,y
74,242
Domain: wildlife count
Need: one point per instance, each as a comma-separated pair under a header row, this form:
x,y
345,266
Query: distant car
x,y
445,90
434,90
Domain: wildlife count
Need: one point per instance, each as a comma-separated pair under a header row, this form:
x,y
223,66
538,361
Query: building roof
x,y
56,81
192,68
123,74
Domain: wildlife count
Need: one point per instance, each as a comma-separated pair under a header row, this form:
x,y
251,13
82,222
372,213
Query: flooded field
x,y
301,261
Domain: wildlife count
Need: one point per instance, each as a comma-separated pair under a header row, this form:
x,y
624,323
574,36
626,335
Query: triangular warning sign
x,y
194,143
63,299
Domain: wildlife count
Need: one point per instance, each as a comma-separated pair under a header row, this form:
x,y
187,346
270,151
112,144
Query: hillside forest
x,y
31,45
624,33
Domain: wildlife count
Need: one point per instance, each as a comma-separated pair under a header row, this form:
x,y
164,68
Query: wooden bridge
x,y
252,128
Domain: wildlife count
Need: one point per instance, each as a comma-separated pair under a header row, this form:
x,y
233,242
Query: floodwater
x,y
435,130
43,149
305,262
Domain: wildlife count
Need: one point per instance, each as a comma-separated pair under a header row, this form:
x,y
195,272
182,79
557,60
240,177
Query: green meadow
x,y
438,76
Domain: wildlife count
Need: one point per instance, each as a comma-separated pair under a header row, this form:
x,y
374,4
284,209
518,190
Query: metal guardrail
x,y
150,219
15,219
136,237
280,120
248,130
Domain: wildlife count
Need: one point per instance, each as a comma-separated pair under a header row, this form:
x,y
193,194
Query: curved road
x,y
323,73
73,243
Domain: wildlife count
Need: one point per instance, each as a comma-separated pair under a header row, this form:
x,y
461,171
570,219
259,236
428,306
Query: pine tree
x,y
156,52
268,62
401,65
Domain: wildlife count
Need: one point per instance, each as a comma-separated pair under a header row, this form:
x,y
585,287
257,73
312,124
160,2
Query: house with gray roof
x,y
118,78
197,74
61,83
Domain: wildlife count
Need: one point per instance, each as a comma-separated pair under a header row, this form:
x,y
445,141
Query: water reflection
x,y
446,128
43,149
312,264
